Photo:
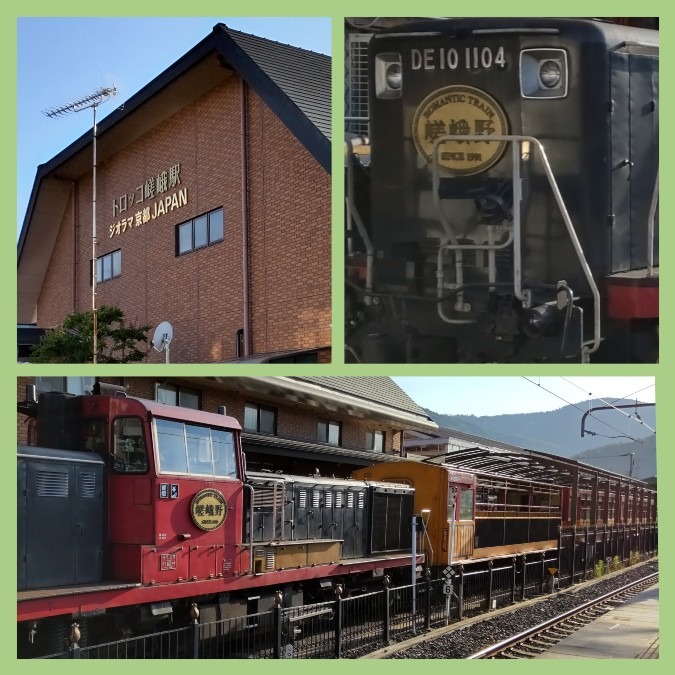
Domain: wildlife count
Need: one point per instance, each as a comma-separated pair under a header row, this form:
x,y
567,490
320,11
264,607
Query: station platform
x,y
630,631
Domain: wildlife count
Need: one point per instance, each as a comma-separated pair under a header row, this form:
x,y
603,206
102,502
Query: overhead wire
x,y
637,440
590,393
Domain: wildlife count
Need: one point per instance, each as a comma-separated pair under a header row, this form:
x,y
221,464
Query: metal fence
x,y
345,625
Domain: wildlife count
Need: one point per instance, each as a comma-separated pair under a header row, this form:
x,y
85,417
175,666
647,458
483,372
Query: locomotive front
x,y
494,175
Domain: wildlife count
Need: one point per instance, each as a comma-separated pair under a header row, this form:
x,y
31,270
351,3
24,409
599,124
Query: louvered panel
x,y
52,484
88,485
338,499
265,496
302,497
316,498
356,64
362,499
329,499
350,500
270,559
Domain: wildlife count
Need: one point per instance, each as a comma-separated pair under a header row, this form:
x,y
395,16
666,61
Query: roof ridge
x,y
276,42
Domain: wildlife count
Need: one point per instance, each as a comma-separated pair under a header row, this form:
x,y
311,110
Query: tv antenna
x,y
92,100
162,338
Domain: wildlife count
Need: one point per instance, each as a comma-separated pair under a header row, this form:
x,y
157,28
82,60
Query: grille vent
x,y
356,95
52,484
362,499
338,500
329,499
316,498
265,497
350,500
302,499
269,561
88,485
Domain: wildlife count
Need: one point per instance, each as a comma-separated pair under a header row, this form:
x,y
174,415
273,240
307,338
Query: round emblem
x,y
208,509
458,110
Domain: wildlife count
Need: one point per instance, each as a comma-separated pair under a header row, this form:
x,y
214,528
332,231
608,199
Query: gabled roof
x,y
377,389
378,399
294,83
302,75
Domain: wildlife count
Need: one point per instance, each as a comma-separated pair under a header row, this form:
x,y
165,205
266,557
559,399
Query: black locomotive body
x,y
472,250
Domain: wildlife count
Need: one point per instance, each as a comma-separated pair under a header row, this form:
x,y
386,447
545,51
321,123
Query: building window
x,y
67,385
375,441
329,432
174,394
200,232
109,266
260,418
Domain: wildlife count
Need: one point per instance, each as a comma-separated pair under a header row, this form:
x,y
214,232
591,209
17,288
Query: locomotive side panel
x,y
61,501
644,153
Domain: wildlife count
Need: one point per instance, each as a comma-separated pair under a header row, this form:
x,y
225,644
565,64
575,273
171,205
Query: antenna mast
x,y
92,100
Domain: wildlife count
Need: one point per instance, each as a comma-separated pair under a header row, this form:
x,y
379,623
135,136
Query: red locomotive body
x,y
130,510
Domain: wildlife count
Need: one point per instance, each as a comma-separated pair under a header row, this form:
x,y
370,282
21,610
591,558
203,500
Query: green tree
x,y
117,341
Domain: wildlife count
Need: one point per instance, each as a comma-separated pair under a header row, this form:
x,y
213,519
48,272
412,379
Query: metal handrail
x,y
587,346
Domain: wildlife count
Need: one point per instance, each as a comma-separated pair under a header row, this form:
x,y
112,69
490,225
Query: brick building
x,y
213,208
294,425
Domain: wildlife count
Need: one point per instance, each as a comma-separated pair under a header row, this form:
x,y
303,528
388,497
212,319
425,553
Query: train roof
x,y
589,30
529,465
326,481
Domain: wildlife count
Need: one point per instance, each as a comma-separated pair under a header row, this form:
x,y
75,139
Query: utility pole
x,y
92,101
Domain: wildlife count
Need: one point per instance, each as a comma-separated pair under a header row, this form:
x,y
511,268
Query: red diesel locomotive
x,y
129,511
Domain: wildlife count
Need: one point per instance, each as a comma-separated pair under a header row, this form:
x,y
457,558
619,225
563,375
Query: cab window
x,y
195,450
129,452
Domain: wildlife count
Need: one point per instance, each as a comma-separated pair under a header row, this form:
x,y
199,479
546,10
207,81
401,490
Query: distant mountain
x,y
616,457
559,432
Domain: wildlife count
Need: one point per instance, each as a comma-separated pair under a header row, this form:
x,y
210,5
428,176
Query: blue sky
x,y
477,395
62,59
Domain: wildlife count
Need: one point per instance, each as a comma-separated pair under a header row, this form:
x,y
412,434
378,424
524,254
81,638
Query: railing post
x,y
460,599
513,580
74,639
574,552
585,553
338,621
427,607
560,538
490,579
194,615
387,604
523,560
278,633
543,573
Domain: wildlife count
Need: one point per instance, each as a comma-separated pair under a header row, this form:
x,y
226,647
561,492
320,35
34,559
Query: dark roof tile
x,y
381,390
304,76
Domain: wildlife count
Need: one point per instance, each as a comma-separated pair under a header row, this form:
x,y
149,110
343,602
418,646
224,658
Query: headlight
x,y
550,74
388,75
543,73
394,75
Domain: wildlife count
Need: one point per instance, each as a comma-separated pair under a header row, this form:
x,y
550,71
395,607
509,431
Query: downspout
x,y
244,224
76,233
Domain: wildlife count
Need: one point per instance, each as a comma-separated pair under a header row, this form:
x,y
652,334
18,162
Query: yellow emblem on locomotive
x,y
458,110
208,509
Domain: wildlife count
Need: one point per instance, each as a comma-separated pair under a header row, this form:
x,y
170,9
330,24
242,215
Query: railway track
x,y
543,636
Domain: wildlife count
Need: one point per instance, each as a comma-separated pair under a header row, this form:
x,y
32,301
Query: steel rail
x,y
520,637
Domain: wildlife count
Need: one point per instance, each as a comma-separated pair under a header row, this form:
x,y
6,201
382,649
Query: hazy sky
x,y
480,396
63,59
